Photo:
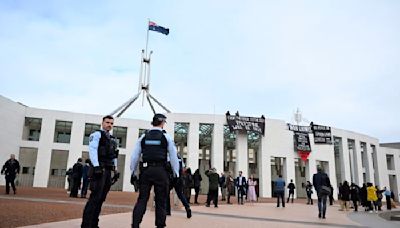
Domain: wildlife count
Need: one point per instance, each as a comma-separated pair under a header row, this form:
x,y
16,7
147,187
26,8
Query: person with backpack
x,y
322,187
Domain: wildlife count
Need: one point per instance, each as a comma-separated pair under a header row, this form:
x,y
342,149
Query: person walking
x,y
331,196
291,188
354,195
309,192
280,191
230,187
371,197
387,194
187,184
76,178
103,153
197,184
85,178
345,195
11,170
379,194
241,187
251,193
154,147
178,183
322,187
363,197
213,179
222,185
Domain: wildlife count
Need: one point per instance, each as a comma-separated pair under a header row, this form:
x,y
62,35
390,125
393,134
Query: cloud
x,y
338,61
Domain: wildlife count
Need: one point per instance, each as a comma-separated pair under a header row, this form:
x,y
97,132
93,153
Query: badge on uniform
x,y
90,138
145,165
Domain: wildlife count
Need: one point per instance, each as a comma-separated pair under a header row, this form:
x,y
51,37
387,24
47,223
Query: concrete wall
x,y
13,116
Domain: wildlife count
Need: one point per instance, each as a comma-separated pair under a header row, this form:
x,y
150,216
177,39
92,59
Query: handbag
x,y
325,190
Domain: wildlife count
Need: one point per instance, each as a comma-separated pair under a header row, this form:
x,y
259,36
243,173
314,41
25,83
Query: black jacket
x,y
11,167
320,179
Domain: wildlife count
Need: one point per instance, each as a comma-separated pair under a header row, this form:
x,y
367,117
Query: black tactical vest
x,y
107,150
154,146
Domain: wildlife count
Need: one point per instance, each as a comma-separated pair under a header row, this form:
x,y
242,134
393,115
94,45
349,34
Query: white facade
x,y
358,158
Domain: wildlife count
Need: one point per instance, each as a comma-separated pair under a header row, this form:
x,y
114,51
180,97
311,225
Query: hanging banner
x,y
305,129
302,141
322,134
243,123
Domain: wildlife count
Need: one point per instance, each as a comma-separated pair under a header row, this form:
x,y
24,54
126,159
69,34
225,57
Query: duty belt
x,y
153,164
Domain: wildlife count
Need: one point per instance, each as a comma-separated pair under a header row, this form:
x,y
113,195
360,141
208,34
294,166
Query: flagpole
x,y
147,37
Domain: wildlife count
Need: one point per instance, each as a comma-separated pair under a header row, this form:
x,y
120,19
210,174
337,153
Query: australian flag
x,y
154,27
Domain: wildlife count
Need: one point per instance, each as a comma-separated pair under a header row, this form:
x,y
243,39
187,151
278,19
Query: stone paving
x,y
232,216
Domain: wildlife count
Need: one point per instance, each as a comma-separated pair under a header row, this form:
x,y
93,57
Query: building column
x,y
346,170
358,168
242,163
42,167
311,168
193,146
369,166
217,151
264,169
132,136
290,172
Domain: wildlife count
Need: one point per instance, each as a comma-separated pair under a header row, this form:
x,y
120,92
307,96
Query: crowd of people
x,y
368,196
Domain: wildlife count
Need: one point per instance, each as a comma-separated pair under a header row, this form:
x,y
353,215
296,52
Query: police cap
x,y
158,119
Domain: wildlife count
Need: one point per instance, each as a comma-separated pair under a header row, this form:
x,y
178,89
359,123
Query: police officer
x,y
11,170
177,184
154,147
103,154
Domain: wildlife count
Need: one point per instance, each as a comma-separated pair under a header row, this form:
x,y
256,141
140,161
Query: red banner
x,y
304,155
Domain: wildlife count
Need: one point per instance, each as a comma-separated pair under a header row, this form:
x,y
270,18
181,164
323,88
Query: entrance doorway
x,y
27,161
58,166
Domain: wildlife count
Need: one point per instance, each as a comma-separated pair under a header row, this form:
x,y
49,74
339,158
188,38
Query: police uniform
x,y
103,153
153,147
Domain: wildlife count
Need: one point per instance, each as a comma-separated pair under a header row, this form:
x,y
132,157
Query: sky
x,y
338,61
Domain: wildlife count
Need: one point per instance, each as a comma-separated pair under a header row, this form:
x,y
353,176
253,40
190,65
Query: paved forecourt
x,y
230,216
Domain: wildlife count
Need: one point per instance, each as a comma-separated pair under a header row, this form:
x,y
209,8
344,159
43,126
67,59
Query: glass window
x,y
89,129
390,161
62,133
31,130
205,141
25,170
120,134
141,132
181,131
229,149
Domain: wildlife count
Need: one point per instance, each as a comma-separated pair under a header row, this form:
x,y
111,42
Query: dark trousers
x,y
241,192
309,199
388,203
355,204
10,180
179,192
331,200
230,193
196,196
156,176
76,183
291,193
280,196
85,184
322,204
212,195
99,187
